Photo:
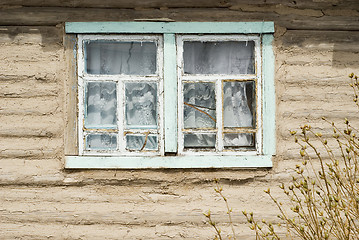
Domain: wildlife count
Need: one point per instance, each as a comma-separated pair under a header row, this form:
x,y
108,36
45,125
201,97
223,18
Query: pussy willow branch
x,y
328,207
219,191
213,224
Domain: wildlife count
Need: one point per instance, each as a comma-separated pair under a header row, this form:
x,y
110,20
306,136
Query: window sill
x,y
92,162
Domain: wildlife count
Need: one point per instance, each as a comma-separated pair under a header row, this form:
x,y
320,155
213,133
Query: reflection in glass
x,y
226,57
129,58
238,140
139,142
238,104
199,105
141,105
199,140
101,141
101,105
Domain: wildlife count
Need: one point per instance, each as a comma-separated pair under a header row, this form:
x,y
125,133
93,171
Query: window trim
x,y
169,29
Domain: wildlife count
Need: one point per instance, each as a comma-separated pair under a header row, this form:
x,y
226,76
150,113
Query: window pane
x,y
199,140
239,104
238,140
129,58
229,57
199,105
101,102
101,141
141,105
139,142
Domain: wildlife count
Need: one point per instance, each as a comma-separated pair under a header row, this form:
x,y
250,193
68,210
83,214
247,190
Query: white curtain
x,y
218,57
129,58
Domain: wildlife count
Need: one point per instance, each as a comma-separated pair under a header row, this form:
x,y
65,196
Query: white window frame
x,y
260,32
217,79
120,80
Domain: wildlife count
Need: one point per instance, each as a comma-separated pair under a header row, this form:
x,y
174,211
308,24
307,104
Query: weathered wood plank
x,y
117,4
170,90
29,106
321,43
71,131
170,27
30,89
309,4
143,206
44,36
54,16
31,125
30,147
43,171
164,231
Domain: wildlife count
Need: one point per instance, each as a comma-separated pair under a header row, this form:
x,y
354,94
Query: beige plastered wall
x,y
316,47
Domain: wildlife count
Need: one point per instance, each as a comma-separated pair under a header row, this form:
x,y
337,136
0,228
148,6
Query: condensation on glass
x,y
206,63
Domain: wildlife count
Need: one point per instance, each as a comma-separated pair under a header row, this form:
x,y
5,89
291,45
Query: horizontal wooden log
x,y
288,19
320,40
38,172
31,125
30,147
44,231
144,206
32,106
299,73
16,90
349,4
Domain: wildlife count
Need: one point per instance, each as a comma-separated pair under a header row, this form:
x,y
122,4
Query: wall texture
x,y
316,47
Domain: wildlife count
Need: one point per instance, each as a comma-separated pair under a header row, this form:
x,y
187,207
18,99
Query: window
x,y
120,86
176,95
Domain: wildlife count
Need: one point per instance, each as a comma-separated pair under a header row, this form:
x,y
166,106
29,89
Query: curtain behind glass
x,y
226,57
129,58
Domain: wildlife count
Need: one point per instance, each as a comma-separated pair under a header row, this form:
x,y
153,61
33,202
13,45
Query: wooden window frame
x,y
120,80
262,157
218,79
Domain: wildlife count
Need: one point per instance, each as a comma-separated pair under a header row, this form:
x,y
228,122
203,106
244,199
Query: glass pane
x,y
129,58
139,142
101,141
101,102
229,57
238,140
199,140
239,104
199,105
141,105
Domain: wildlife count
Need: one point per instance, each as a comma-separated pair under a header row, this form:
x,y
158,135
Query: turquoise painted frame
x,y
169,29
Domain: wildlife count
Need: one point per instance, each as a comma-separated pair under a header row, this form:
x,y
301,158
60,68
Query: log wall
x,y
316,47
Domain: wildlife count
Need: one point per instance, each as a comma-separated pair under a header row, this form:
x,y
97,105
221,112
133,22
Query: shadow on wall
x,y
342,44
346,54
48,37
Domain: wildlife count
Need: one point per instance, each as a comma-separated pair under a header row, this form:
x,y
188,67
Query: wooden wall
x,y
316,47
